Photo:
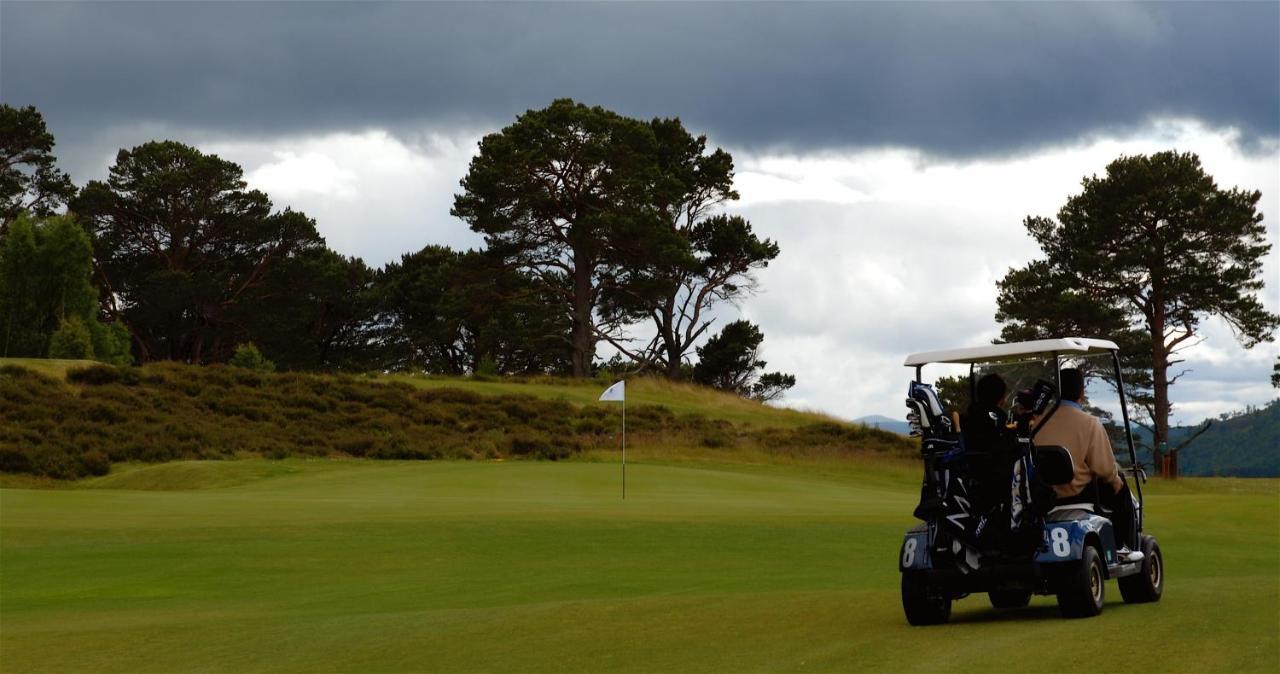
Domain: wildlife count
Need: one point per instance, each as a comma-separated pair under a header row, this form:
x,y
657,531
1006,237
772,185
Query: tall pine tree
x,y
1154,246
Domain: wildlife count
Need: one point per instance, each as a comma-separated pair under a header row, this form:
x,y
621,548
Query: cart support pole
x,y
1128,434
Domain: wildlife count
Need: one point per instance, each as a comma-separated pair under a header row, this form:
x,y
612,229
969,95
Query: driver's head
x,y
1072,384
990,391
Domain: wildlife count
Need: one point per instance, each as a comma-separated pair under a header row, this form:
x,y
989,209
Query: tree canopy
x,y
702,257
560,193
46,269
730,361
597,227
180,242
29,177
1148,251
446,311
314,310
613,215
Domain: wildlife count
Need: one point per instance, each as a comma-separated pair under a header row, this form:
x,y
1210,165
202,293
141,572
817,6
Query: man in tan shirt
x,y
1090,447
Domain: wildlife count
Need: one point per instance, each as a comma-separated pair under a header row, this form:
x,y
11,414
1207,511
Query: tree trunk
x,y
1160,389
144,351
1160,379
670,340
584,343
674,361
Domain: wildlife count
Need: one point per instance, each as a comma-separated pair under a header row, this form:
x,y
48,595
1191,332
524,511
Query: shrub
x,y
453,396
104,413
101,375
537,445
487,368
71,340
590,427
528,443
249,357
14,460
716,440
54,461
95,462
167,411
111,342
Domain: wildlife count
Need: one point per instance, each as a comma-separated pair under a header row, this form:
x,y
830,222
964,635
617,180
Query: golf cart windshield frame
x,y
1058,349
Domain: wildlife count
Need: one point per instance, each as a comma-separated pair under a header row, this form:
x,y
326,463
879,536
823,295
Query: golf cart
x,y
1023,540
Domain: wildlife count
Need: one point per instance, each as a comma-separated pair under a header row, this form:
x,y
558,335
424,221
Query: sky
x,y
892,150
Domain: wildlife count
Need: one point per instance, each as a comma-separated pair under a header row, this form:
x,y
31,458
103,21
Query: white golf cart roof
x,y
995,352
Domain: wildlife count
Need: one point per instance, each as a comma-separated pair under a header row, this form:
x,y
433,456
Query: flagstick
x,y
618,393
624,447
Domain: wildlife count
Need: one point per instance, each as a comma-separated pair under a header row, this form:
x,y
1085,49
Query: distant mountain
x,y
885,423
1241,444
1244,444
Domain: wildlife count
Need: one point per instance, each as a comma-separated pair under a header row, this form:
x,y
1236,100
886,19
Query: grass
x,y
770,549
49,367
680,398
344,566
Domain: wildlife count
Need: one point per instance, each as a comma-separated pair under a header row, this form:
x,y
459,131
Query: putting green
x,y
358,566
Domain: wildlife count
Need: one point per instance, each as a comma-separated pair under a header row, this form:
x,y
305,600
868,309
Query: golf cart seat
x,y
1090,496
1054,464
1056,467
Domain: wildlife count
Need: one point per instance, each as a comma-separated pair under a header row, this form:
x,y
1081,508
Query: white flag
x,y
615,393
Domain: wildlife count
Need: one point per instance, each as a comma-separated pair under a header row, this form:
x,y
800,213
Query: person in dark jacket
x,y
985,424
990,443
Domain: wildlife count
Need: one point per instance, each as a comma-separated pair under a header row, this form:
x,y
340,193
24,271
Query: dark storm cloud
x,y
951,79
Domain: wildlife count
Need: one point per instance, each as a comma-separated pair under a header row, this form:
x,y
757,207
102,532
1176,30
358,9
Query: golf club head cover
x,y
926,410
1041,396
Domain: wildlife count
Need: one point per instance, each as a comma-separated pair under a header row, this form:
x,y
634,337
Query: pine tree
x,y
1154,246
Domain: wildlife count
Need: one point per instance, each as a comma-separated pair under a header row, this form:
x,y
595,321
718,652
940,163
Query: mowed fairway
x,y
358,566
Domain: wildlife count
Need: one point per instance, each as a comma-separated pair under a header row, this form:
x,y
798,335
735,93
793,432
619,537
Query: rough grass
x,y
346,566
50,367
679,397
104,415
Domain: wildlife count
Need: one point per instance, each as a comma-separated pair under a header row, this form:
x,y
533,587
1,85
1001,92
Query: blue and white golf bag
x,y
946,505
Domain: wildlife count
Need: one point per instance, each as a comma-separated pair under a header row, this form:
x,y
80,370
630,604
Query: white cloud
x,y
776,179
373,195
293,175
911,264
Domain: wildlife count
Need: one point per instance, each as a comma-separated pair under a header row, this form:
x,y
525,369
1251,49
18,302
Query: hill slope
x,y
679,397
1247,445
51,367
103,415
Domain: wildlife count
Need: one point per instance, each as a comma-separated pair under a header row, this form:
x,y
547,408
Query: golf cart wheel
x,y
923,602
1148,585
1009,598
1084,588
